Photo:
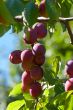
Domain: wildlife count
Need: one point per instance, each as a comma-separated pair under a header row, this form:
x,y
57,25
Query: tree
x,y
57,22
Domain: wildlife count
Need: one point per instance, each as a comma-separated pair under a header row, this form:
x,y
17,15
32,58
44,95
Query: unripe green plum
x,y
36,73
30,37
69,68
15,57
69,84
35,90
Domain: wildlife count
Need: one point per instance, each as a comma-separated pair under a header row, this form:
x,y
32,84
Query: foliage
x,y
58,51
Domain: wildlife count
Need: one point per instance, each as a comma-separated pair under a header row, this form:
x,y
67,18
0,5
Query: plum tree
x,y
36,73
38,49
15,57
41,30
42,8
69,68
30,37
69,84
35,89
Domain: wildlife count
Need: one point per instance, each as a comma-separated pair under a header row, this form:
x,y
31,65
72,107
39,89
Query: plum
x,y
15,57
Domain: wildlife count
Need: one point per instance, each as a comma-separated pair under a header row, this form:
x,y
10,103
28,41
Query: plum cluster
x,y
69,71
31,60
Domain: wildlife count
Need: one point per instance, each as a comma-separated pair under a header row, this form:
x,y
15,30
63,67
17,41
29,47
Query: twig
x,y
69,31
61,19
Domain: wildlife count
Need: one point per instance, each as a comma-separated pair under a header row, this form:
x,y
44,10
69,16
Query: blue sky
x,y
7,44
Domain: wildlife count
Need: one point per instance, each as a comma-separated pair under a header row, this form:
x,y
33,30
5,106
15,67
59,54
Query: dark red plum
x,y
42,9
69,68
39,60
26,78
15,57
36,73
69,84
35,90
30,37
41,30
38,49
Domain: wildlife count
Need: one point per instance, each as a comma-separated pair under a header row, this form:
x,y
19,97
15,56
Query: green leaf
x,y
15,94
52,9
3,29
16,90
5,14
56,64
27,96
65,9
16,6
49,75
16,105
59,88
30,13
63,100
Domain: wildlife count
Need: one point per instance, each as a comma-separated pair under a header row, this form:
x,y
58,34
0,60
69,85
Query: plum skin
x,y
69,68
69,84
35,89
36,73
42,9
38,49
27,58
26,78
30,37
39,60
15,57
41,30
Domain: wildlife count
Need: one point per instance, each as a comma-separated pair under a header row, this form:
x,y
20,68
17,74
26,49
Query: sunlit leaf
x,y
16,105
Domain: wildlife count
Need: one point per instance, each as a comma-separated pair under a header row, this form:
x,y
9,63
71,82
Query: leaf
x,y
15,94
30,14
16,105
49,75
69,103
5,14
52,9
3,29
27,96
56,64
16,90
65,9
59,88
16,6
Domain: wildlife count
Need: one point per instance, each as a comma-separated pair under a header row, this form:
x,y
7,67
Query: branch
x,y
69,31
61,19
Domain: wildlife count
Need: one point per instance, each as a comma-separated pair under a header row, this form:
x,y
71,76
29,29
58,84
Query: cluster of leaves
x,y
53,97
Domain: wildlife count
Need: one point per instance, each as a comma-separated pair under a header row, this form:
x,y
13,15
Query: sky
x,y
7,44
